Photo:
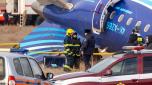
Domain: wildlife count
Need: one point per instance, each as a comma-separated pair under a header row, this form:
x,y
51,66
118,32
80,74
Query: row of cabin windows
x,y
129,21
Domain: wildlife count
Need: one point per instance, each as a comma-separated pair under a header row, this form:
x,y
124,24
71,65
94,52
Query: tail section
x,y
44,38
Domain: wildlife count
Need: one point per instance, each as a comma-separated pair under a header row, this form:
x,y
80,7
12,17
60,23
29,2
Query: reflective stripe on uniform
x,y
139,39
66,45
76,45
76,54
67,50
69,53
68,67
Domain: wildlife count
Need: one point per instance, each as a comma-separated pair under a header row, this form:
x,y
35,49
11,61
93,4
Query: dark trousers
x,y
86,59
70,61
77,62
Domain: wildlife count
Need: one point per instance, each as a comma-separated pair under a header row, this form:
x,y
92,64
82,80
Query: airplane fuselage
x,y
86,14
111,26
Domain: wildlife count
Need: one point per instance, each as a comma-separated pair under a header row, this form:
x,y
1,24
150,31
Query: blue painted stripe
x,y
40,41
35,36
44,38
47,32
44,35
49,29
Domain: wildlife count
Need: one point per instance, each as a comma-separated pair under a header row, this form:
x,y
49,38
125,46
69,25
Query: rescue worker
x,y
133,38
148,42
87,48
140,40
6,17
68,50
76,50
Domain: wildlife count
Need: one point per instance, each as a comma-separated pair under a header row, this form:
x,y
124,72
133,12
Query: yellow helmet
x,y
69,31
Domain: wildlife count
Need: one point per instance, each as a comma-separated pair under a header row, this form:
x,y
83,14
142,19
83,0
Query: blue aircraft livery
x,y
110,20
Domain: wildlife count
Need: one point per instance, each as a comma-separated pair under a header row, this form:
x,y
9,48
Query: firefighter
x,y
87,48
68,50
76,50
133,38
140,40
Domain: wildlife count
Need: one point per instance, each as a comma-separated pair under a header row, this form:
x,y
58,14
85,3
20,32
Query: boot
x,y
67,68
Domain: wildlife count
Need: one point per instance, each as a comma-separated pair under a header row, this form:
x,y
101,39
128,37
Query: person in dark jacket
x,y
87,48
76,50
133,38
148,42
6,17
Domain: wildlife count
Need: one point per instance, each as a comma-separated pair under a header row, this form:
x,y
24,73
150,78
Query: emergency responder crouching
x,y
87,48
76,50
68,50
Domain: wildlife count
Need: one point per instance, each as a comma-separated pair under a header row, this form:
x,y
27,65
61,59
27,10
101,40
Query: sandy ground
x,y
13,34
57,71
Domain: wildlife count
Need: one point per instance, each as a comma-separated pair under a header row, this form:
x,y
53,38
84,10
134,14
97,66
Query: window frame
x,y
147,27
4,68
112,15
138,24
38,66
129,21
121,18
20,65
30,67
127,56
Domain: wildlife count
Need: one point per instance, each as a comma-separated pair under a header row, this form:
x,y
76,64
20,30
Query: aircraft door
x,y
122,73
101,15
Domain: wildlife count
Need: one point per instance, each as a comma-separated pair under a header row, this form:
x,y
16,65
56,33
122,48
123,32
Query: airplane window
x,y
147,27
112,14
129,21
121,17
138,24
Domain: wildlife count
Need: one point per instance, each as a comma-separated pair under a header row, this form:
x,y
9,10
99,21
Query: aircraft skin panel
x,y
75,16
139,13
47,35
115,38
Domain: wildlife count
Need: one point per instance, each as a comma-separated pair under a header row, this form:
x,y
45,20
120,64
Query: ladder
x,y
23,18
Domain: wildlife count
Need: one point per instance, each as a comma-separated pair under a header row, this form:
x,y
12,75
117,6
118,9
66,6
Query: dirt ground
x,y
14,34
57,71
